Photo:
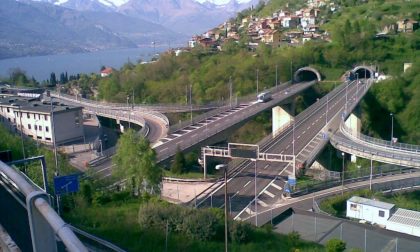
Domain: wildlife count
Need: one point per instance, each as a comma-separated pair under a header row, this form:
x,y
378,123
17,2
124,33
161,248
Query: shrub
x,y
335,245
240,232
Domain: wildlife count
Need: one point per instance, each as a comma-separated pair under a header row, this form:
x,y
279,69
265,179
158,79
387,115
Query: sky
x,y
222,1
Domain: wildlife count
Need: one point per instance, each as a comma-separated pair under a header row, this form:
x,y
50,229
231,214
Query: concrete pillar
x,y
122,128
280,118
354,124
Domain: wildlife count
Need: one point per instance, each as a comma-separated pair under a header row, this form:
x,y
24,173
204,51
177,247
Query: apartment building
x,y
42,120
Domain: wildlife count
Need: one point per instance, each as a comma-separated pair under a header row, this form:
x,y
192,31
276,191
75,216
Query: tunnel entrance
x,y
362,72
306,74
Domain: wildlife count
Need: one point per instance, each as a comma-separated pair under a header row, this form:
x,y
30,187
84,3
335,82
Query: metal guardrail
x,y
45,223
380,142
163,108
115,111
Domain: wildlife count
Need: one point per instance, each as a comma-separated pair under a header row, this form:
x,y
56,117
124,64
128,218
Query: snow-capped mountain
x,y
184,16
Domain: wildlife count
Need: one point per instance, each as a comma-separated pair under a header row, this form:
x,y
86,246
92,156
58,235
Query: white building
x,y
373,211
405,221
35,118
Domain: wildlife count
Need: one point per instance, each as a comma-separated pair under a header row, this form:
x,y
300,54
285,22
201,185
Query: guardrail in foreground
x,y
45,224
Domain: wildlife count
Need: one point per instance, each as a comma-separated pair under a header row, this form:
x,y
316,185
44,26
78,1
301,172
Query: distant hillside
x,y
185,16
34,28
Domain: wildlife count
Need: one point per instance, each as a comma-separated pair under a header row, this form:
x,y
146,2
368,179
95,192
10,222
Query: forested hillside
x,y
353,29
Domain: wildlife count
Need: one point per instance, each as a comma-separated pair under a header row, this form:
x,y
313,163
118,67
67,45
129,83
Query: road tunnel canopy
x,y
306,74
362,72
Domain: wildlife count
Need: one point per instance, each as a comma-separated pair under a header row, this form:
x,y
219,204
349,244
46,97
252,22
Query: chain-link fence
x,y
320,229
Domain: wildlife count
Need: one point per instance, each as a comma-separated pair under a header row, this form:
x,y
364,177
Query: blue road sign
x,y
66,184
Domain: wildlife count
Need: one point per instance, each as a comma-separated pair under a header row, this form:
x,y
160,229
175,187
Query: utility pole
x,y
276,75
230,91
54,138
291,71
191,103
257,80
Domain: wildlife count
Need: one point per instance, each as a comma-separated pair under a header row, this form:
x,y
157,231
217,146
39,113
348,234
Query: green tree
x,y
135,161
53,79
179,164
335,245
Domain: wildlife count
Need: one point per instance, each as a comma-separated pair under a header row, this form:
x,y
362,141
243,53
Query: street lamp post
x,y
21,132
257,79
100,144
392,126
129,112
342,175
224,167
357,85
293,147
371,171
326,113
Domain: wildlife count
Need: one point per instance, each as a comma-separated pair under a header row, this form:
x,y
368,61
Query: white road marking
x,y
277,186
262,203
249,211
269,194
265,167
246,184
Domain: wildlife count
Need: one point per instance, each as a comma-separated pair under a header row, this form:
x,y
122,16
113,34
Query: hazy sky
x,y
222,1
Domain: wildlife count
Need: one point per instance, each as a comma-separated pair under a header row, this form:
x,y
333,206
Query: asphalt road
x,y
206,128
242,186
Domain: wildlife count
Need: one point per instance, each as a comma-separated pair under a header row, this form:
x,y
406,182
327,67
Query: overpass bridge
x,y
379,150
215,128
154,124
305,136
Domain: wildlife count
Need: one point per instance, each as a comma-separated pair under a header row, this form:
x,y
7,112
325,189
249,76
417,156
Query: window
x,y
46,117
28,115
353,206
36,127
48,138
381,213
47,129
29,126
39,137
8,110
77,118
40,128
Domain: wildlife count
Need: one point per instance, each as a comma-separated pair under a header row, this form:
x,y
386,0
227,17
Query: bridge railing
x,y
142,107
380,142
44,222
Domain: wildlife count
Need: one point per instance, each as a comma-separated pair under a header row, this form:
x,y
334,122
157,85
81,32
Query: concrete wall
x,y
280,118
68,126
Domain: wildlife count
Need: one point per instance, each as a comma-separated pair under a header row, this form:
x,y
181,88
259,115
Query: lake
x,y
40,67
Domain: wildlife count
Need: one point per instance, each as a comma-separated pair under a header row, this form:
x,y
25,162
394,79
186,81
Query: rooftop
x,y
406,217
35,105
369,202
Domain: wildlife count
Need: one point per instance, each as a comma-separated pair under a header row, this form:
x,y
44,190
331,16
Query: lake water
x,y
40,67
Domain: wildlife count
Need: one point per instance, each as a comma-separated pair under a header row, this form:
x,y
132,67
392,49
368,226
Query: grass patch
x,y
187,175
118,222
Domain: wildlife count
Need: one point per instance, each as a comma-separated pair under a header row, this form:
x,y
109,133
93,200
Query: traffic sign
x,y
66,184
237,150
292,180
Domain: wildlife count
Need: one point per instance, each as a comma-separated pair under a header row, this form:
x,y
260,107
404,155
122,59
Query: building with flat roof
x,y
42,120
373,211
405,221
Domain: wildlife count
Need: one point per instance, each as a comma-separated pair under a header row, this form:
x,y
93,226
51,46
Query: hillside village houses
x,y
283,27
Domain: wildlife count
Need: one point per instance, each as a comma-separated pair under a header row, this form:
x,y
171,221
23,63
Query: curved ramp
x,y
376,149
